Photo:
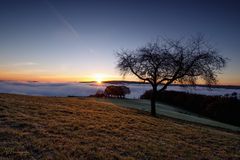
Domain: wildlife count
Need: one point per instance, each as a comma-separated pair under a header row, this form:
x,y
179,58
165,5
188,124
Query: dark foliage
x,y
112,91
224,109
116,91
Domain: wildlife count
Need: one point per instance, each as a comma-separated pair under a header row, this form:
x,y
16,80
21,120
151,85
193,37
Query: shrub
x,y
116,91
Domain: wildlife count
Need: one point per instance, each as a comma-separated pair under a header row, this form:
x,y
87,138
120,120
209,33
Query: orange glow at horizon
x,y
97,77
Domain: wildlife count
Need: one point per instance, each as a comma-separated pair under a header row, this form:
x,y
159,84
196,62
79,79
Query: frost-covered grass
x,y
73,128
169,111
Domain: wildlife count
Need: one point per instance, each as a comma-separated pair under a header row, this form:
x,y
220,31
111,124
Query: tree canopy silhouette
x,y
116,91
167,61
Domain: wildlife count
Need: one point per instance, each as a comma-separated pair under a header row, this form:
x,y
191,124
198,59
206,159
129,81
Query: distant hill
x,y
200,85
130,82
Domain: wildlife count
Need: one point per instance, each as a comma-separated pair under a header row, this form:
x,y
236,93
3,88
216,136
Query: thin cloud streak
x,y
25,64
62,19
20,64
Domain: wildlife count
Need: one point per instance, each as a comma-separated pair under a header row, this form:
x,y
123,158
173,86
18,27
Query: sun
x,y
99,78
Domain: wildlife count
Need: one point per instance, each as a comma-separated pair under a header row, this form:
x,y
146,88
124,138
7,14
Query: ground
x,y
74,128
169,111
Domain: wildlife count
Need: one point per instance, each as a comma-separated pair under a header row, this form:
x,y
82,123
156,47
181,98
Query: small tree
x,y
116,91
168,61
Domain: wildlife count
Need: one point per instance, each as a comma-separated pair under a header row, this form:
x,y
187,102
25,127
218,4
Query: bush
x,y
116,91
224,109
112,91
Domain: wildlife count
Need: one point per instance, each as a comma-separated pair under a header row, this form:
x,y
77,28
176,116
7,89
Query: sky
x,y
76,40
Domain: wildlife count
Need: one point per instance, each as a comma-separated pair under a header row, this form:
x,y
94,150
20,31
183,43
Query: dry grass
x,y
71,128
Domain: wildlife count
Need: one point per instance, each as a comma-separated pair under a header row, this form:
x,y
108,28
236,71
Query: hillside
x,y
73,128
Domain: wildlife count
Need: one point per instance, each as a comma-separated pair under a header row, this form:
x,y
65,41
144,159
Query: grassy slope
x,y
169,111
71,128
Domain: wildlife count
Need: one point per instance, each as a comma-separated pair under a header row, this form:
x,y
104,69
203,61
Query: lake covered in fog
x,y
86,89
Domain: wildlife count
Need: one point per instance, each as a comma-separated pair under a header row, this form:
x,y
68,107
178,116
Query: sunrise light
x,y
99,77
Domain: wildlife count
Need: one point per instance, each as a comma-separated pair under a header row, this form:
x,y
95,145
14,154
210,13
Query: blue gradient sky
x,y
72,40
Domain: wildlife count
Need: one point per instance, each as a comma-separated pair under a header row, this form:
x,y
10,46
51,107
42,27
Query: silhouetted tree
x,y
116,91
167,61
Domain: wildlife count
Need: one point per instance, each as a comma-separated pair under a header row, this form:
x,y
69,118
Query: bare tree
x,y
168,61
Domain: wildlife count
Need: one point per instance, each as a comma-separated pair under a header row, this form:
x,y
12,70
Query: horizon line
x,y
113,81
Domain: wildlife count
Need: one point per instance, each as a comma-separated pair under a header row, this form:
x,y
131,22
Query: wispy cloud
x,y
19,64
25,64
62,19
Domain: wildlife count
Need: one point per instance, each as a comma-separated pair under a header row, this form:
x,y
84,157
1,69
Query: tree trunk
x,y
153,101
